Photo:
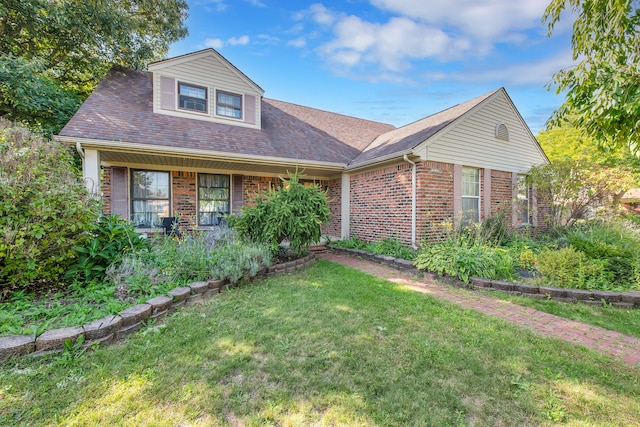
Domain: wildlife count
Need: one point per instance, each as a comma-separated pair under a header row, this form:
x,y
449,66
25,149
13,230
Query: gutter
x,y
413,201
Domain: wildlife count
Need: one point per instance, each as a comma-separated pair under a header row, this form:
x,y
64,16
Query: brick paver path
x,y
610,343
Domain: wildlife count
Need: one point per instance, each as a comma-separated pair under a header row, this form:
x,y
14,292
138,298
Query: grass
x,y
325,346
626,321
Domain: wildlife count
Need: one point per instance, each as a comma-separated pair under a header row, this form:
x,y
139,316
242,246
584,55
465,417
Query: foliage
x,y
293,212
64,48
602,92
495,230
386,246
238,260
111,238
29,94
617,247
464,258
45,212
574,189
570,268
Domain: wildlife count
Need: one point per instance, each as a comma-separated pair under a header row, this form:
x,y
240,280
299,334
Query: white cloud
x,y
488,20
391,44
257,3
322,15
214,43
212,5
242,40
233,41
536,73
299,42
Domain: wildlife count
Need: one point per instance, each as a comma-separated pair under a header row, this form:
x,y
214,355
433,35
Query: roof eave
x,y
161,150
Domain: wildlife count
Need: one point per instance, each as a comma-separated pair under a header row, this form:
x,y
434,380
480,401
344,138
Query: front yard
x,y
325,346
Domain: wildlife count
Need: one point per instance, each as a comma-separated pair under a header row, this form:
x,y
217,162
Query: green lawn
x,y
326,346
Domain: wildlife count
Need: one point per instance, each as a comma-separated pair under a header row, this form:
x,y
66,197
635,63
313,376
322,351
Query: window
x,y
149,197
470,196
213,198
229,105
522,201
193,97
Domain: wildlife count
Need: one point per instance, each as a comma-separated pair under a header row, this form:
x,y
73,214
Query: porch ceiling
x,y
204,164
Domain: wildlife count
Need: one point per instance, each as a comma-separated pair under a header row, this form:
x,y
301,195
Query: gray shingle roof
x,y
120,109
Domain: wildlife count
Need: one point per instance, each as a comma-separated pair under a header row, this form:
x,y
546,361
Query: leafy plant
x,y
112,238
465,259
391,247
45,211
293,212
570,268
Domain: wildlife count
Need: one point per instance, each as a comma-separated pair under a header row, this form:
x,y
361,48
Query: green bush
x,y
465,259
293,212
495,230
238,260
111,238
45,211
570,268
391,247
618,247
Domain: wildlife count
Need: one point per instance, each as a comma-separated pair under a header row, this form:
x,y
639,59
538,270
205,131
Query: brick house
x,y
194,138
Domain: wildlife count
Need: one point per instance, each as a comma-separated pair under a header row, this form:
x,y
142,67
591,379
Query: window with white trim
x,y
522,206
150,198
470,196
229,105
213,198
192,97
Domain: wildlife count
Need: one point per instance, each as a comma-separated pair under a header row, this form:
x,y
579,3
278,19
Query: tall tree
x,y
603,90
65,47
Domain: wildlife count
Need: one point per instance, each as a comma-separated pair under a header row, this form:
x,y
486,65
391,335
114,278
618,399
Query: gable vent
x,y
502,132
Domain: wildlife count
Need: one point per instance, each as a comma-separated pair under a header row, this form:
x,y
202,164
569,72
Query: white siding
x,y
210,72
472,141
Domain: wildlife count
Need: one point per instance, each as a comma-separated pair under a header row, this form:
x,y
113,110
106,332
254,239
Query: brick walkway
x,y
610,343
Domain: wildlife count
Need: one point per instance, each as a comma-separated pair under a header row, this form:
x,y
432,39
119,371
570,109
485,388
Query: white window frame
x,y
465,220
221,213
519,204
135,199
193,86
220,105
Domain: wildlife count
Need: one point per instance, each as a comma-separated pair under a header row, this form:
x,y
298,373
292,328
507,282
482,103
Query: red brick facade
x,y
381,204
184,198
381,200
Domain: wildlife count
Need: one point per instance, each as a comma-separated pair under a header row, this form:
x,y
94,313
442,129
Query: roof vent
x,y
502,132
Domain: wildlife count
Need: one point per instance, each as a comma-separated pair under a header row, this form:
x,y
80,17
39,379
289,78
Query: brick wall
x,y
435,201
183,196
334,196
106,191
381,204
501,193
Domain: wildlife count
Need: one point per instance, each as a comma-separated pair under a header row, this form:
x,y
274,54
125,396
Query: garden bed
x,y
595,297
116,327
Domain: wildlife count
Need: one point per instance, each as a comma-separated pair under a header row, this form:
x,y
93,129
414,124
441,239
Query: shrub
x,y
391,247
111,238
293,212
238,260
465,259
616,246
495,230
45,211
570,268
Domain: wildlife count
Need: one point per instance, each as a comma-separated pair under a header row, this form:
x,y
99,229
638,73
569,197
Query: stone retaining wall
x,y
116,327
616,299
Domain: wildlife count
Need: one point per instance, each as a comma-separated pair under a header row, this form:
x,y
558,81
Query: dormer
x,y
205,86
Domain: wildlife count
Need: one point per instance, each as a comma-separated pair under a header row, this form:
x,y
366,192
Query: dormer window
x,y
229,105
192,97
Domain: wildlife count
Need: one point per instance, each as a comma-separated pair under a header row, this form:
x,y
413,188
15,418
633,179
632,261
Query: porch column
x,y
91,172
346,206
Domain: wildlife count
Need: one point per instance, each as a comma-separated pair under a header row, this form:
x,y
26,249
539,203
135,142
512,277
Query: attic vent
x,y
502,132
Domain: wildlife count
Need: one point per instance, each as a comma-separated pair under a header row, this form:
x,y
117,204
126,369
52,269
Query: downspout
x,y
80,150
413,202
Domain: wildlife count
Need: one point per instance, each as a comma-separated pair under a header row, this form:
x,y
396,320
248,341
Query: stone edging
x,y
595,297
114,328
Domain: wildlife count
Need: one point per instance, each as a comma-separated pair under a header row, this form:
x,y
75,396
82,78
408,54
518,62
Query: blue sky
x,y
393,61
